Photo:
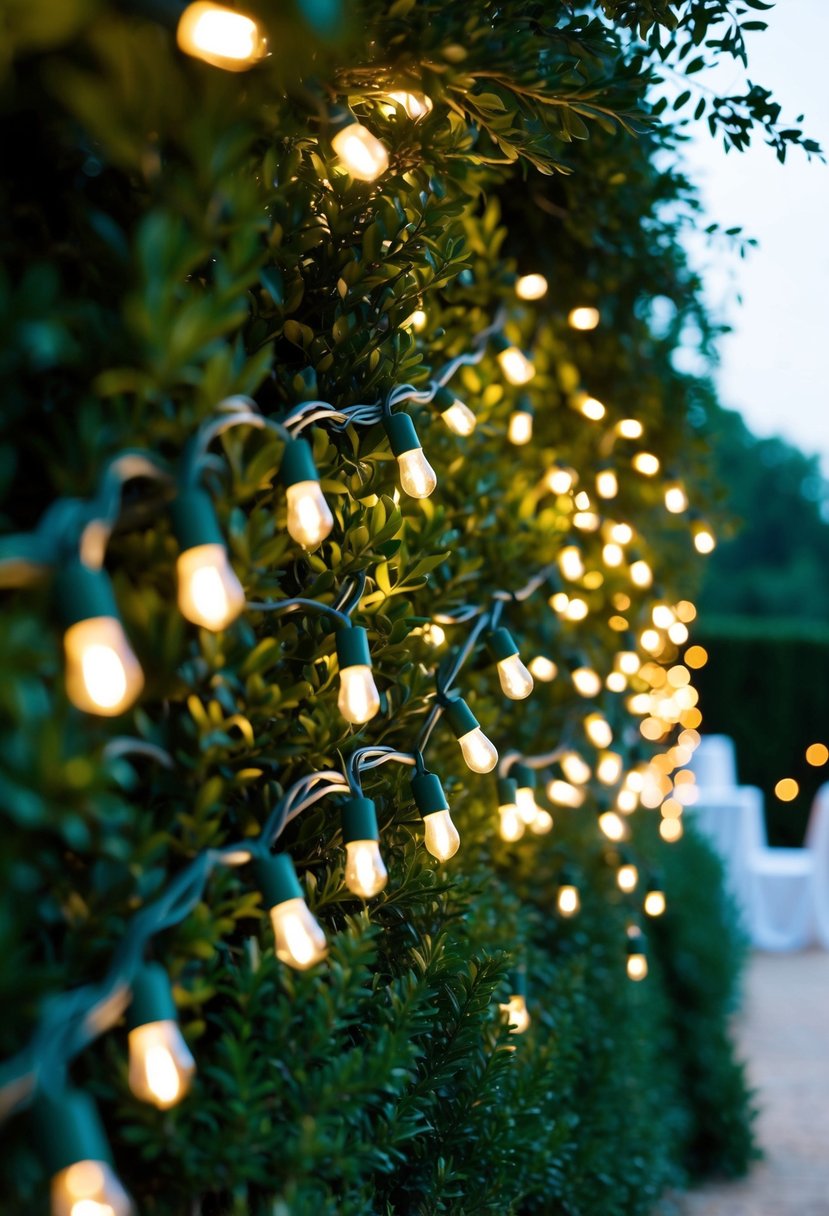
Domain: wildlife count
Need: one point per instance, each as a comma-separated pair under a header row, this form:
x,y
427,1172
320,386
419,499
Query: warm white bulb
x,y
416,105
598,730
587,682
358,700
704,541
568,900
609,768
365,873
516,1014
576,610
622,534
564,794
516,366
627,801
655,903
417,477
479,752
613,555
628,661
220,36
520,427
542,823
637,966
641,574
88,1188
583,318
575,768
676,500
559,481
630,428
627,877
662,616
161,1066
361,153
646,463
102,673
570,563
299,941
616,681
526,803
592,408
416,320
459,418
440,835
209,593
512,825
531,287
309,517
612,825
607,484
516,681
543,669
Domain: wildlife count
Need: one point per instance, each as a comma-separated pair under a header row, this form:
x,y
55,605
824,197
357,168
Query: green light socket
x,y
401,434
297,463
277,879
194,520
359,820
636,944
68,1128
152,997
428,794
460,717
518,982
340,117
524,406
524,776
501,644
443,399
507,791
82,593
352,646
500,343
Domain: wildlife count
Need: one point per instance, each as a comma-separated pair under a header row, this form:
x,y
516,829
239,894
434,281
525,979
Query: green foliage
x,y
174,236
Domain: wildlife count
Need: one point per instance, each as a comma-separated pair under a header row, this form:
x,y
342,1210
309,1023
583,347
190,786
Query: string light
x,y
520,429
102,673
516,681
630,428
298,939
607,483
455,413
531,287
309,517
637,961
478,751
655,902
562,793
598,731
646,463
543,669
570,563
591,408
583,318
558,480
575,768
676,500
525,793
609,768
704,540
209,593
511,824
627,877
361,153
568,901
440,834
358,699
365,873
221,37
514,363
161,1066
71,1138
586,681
417,477
417,321
515,1010
416,105
641,574
612,826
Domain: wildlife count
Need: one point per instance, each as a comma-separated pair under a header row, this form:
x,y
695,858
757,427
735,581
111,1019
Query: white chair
x,y
714,763
817,841
779,889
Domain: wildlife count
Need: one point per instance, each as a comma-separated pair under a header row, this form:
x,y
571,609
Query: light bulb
x,y
630,428
646,463
516,681
627,876
564,794
365,873
704,541
637,966
520,427
612,825
309,517
676,500
542,823
575,769
479,752
612,555
593,409
459,418
417,320
609,768
360,152
598,730
543,669
515,365
440,835
531,287
516,1014
209,593
568,901
299,940
627,801
416,105
527,806
220,36
102,673
576,610
417,477
358,700
88,1188
662,616
161,1066
583,318
586,682
512,825
628,661
622,534
570,563
641,574
616,681
607,484
559,481
655,903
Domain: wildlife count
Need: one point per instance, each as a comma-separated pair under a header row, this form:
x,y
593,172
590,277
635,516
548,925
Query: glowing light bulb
x,y
628,661
592,409
627,876
629,428
609,768
612,555
161,1066
676,500
612,825
515,365
575,769
650,640
559,601
511,825
516,681
531,287
568,901
516,1014
598,730
543,669
570,563
209,593
607,483
559,481
641,574
520,427
616,681
220,36
361,153
622,534
418,320
365,873
309,517
662,616
300,942
358,699
417,477
102,673
416,105
704,541
434,634
459,418
542,823
440,835
478,751
655,903
637,966
88,1188
646,463
562,793
586,682
583,318
627,801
